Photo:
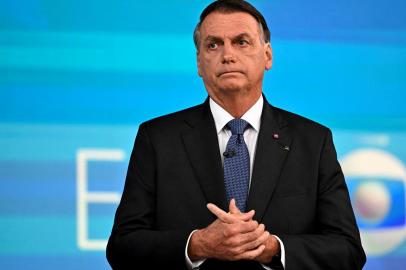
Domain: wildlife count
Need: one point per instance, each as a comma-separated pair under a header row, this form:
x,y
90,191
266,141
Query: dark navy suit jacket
x,y
297,190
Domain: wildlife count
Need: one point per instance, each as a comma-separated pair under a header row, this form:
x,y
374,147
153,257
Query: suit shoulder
x,y
302,123
173,120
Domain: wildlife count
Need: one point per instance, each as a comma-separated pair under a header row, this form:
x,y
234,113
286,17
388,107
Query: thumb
x,y
247,216
233,209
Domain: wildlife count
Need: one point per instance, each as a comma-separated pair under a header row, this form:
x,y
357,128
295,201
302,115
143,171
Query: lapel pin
x,y
275,136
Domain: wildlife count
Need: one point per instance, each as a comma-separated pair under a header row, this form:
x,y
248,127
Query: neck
x,y
237,106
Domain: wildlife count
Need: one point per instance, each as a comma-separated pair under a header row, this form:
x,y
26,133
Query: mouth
x,y
226,73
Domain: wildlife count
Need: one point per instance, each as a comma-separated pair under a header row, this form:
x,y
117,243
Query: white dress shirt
x,y
221,118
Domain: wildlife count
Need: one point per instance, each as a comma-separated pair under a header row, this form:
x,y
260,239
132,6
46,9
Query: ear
x,y
268,56
199,71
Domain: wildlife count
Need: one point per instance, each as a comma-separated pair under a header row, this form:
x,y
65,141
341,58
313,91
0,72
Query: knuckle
x,y
227,242
226,233
253,245
267,234
235,251
258,241
251,256
233,230
242,240
254,236
234,242
251,236
248,239
239,227
249,226
259,233
254,224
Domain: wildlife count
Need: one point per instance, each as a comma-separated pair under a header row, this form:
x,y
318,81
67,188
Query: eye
x,y
212,46
243,42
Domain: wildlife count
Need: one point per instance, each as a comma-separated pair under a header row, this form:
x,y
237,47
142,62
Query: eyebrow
x,y
216,38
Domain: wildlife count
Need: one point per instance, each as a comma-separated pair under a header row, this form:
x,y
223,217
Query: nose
x,y
228,54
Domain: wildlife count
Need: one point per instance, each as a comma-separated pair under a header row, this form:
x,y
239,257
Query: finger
x,y
238,238
220,214
247,216
233,207
235,231
251,254
261,240
253,235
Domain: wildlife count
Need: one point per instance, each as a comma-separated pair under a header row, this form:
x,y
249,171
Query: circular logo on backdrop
x,y
377,182
372,202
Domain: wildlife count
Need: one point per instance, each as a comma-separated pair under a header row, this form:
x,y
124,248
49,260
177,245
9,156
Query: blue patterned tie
x,y
237,164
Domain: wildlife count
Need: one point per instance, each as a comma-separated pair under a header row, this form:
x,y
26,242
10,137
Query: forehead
x,y
229,24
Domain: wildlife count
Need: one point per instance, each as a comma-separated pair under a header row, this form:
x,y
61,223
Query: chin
x,y
231,87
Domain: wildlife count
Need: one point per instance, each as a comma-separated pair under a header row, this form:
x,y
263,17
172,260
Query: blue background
x,y
84,74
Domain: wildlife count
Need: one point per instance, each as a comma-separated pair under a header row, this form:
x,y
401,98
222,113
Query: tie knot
x,y
237,126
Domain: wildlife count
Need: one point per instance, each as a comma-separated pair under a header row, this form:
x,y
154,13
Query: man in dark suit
x,y
234,183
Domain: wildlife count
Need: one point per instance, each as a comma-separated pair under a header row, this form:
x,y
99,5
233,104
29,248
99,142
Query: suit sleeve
x,y
336,243
135,240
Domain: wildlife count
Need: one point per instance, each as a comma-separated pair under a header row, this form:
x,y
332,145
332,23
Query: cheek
x,y
253,57
258,63
208,66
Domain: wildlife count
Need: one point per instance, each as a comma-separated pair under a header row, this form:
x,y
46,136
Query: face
x,y
232,56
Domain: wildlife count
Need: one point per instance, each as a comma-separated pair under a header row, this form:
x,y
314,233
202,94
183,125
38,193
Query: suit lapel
x,y
202,147
272,149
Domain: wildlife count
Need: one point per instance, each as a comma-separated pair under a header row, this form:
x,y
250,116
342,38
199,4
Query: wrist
x,y
195,248
272,250
276,251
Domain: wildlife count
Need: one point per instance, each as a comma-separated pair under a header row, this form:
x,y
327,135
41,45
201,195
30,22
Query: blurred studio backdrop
x,y
78,77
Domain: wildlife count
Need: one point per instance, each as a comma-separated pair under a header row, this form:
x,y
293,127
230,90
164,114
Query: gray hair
x,y
230,6
196,35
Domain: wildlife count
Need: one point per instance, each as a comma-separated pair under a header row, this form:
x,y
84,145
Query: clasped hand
x,y
233,236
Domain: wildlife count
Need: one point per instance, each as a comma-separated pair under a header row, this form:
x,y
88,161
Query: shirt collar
x,y
222,117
